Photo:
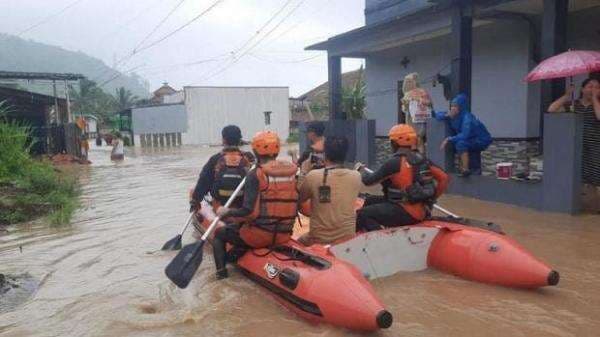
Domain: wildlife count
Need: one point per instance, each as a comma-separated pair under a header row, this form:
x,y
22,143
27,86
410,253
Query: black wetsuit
x,y
378,211
231,232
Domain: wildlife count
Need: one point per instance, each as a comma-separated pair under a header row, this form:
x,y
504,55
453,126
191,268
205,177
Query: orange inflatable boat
x,y
314,284
479,253
468,252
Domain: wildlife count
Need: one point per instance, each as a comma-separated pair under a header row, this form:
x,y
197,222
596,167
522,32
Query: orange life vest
x,y
406,179
277,204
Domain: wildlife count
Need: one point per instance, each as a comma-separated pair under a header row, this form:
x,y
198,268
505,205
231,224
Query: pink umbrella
x,y
567,64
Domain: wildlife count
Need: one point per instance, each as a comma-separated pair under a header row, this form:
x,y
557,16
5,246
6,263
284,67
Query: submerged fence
x,y
54,139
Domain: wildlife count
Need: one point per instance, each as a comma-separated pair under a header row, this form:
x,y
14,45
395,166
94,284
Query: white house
x,y
209,109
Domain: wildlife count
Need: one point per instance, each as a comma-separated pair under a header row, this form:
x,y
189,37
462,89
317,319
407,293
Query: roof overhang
x,y
388,34
40,76
427,23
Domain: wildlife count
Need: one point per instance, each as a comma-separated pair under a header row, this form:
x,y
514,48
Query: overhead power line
x,y
48,18
119,75
262,27
236,59
138,50
132,19
204,12
159,24
297,24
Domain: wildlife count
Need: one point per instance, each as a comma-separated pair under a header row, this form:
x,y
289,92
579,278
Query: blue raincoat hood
x,y
462,101
465,125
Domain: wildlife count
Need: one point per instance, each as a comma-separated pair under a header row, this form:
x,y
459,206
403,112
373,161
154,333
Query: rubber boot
x,y
222,274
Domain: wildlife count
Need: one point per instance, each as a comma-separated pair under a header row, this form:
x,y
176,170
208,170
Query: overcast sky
x,y
111,29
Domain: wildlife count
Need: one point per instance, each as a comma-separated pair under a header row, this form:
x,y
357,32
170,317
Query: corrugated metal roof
x,y
41,76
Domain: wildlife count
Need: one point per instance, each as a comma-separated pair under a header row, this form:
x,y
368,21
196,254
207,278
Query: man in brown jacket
x,y
332,191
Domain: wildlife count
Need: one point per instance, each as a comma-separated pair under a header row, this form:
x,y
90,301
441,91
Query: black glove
x,y
194,205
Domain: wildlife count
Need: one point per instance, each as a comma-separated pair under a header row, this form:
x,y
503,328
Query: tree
x,y
92,100
125,99
353,98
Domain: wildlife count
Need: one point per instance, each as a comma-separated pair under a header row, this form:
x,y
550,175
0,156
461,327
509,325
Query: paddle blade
x,y
183,267
173,244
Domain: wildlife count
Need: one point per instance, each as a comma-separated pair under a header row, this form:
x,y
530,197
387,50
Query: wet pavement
x,y
103,274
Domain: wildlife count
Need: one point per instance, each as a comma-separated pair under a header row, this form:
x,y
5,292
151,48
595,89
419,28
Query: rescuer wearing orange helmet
x,y
269,207
411,184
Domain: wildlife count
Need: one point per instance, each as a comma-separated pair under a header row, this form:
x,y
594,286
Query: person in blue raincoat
x,y
470,136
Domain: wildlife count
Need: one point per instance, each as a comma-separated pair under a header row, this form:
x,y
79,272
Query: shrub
x,y
30,188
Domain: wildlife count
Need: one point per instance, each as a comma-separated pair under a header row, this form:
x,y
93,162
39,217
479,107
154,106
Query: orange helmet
x,y
403,135
266,143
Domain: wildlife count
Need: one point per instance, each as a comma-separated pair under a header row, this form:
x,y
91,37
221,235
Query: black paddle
x,y
182,268
175,243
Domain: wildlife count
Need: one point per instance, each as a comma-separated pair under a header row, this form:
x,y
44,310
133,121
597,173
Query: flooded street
x,y
103,274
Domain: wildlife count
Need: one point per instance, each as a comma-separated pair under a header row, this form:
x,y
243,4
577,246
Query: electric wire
x,y
204,12
48,18
159,24
256,43
165,37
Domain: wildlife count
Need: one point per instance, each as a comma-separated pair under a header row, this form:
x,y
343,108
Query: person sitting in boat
x,y
270,204
332,192
411,184
314,133
223,172
471,137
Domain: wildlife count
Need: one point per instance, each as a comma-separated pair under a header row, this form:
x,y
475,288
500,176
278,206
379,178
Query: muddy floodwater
x,y
103,274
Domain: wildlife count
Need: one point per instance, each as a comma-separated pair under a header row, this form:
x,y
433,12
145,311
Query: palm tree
x,y
125,99
91,99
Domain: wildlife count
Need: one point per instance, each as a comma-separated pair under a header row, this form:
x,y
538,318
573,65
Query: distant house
x,y
196,115
209,109
314,104
160,93
176,97
49,117
318,98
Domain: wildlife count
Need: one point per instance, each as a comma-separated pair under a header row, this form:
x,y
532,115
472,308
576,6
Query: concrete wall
x,y
209,109
500,61
159,119
558,191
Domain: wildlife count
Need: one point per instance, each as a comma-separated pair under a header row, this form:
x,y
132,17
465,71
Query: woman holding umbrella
x,y
567,65
588,105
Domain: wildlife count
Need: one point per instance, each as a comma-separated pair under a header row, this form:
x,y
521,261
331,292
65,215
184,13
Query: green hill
x,y
17,54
